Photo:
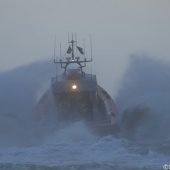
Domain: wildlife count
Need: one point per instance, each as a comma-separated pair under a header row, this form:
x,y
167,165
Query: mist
x,y
118,29
143,99
143,105
20,90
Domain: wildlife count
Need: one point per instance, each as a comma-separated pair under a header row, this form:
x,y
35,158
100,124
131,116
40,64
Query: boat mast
x,y
73,59
72,45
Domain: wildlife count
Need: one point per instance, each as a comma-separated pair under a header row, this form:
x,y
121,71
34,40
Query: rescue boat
x,y
76,96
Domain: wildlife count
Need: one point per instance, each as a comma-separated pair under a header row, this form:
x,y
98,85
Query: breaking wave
x,y
144,118
19,89
143,100
75,147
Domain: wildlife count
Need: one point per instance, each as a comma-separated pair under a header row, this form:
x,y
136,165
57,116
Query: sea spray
x,y
19,88
143,99
74,146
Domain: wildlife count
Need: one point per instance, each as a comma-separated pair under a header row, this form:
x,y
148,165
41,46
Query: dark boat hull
x,y
97,110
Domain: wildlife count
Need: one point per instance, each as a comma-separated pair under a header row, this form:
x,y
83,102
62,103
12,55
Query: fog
x,y
131,60
20,91
118,28
143,100
143,96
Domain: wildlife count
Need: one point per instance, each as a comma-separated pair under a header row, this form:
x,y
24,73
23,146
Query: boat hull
x,y
96,108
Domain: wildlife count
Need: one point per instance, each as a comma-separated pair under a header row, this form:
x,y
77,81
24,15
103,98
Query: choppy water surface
x,y
143,144
76,148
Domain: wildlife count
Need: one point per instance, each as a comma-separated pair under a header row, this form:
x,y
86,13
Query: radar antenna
x,y
73,59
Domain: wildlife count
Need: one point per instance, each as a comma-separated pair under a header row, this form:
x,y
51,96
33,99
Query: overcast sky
x,y
119,28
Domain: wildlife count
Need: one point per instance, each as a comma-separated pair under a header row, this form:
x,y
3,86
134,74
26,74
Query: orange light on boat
x,y
74,87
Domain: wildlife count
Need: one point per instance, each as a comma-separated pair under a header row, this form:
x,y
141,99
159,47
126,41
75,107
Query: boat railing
x,y
59,78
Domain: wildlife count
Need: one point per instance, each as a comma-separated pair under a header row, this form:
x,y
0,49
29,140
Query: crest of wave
x,y
75,132
143,99
18,89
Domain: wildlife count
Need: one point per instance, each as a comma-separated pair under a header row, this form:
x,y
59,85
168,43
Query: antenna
x,y
60,49
55,47
72,44
76,40
84,46
91,45
71,60
55,57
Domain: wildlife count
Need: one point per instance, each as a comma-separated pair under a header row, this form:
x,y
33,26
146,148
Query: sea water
x,y
142,144
76,148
